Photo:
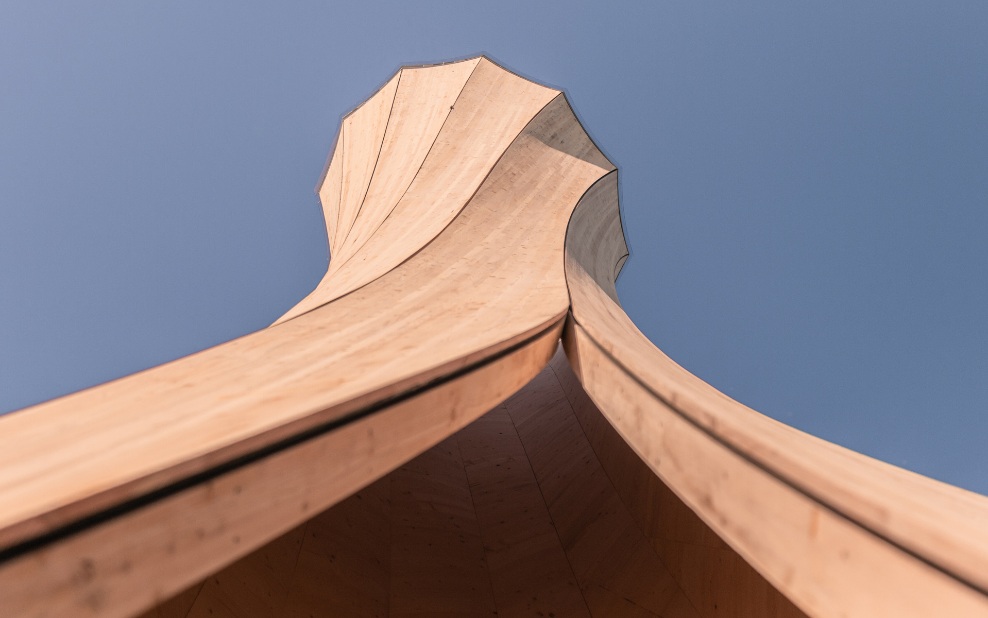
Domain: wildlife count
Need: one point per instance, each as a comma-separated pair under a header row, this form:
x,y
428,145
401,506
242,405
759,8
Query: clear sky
x,y
804,186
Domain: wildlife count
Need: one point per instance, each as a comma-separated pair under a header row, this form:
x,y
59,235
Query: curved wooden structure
x,y
472,222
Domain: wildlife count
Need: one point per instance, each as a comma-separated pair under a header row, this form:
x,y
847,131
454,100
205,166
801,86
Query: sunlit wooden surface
x,y
538,508
838,532
472,223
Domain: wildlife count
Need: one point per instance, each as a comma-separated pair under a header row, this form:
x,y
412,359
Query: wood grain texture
x,y
426,96
329,191
469,215
528,568
136,559
511,516
839,533
491,112
716,579
619,573
464,274
363,135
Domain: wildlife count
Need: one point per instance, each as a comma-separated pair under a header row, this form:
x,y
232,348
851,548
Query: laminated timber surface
x,y
454,302
514,515
471,222
837,532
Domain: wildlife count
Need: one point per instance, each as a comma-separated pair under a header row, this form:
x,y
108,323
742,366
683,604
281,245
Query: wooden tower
x,y
412,439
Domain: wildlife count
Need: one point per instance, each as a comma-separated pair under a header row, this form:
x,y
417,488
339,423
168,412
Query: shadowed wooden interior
x,y
537,508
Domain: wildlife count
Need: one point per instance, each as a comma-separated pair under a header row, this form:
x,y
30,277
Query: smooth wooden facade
x,y
472,222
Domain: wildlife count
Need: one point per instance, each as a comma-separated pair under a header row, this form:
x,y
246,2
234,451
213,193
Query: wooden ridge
x,y
838,532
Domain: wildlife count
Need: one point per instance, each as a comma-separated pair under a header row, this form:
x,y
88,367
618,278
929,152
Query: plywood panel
x,y
437,555
492,113
344,565
717,581
140,558
529,572
424,99
767,489
329,191
254,586
363,133
613,562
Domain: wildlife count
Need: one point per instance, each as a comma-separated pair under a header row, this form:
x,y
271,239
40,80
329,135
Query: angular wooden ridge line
x,y
469,217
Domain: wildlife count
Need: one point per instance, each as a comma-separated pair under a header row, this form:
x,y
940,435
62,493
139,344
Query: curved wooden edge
x,y
456,270
464,233
538,508
146,554
446,129
836,531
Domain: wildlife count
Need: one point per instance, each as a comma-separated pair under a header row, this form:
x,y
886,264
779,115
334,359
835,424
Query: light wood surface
x,y
469,216
715,579
486,114
410,137
511,516
465,273
136,559
838,532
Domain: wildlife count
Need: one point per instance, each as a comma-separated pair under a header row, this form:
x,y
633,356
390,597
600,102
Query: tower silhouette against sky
x,y
412,439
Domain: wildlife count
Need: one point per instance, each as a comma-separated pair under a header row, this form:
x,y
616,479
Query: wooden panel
x,y
529,572
616,567
437,556
329,191
423,102
363,133
345,563
254,586
717,581
826,526
489,121
140,558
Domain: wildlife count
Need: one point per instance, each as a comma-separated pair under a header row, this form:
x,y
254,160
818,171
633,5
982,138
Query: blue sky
x,y
804,185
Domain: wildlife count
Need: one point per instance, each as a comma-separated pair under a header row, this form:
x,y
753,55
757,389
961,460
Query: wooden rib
x,y
455,304
450,293
500,518
838,532
363,134
329,191
142,557
493,107
715,579
423,102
